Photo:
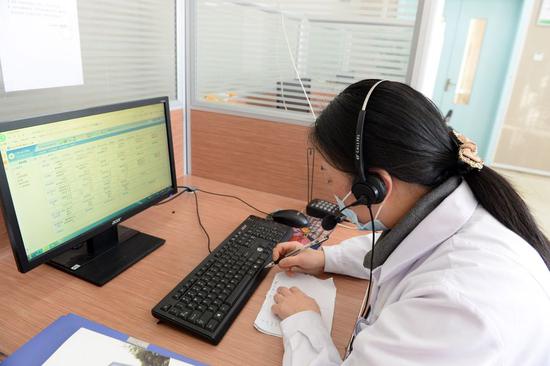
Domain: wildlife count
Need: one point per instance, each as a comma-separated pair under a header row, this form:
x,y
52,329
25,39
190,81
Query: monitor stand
x,y
101,258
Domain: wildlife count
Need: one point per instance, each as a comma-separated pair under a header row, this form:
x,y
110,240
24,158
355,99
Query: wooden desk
x,y
31,301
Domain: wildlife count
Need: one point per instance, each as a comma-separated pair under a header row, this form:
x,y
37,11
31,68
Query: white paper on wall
x,y
39,44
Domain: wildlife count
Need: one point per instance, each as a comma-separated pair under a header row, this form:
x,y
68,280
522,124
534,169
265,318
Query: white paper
x,y
544,15
39,44
88,348
323,291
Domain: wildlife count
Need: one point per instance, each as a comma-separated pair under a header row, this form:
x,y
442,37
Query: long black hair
x,y
406,135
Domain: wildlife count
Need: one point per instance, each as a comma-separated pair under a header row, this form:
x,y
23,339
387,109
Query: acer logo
x,y
115,221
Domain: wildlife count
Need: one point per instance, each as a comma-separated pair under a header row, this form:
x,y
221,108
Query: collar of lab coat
x,y
444,221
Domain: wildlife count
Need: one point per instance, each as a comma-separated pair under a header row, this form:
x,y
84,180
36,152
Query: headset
x,y
367,188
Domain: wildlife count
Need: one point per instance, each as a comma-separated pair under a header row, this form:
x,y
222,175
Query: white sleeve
x,y
433,326
307,342
347,257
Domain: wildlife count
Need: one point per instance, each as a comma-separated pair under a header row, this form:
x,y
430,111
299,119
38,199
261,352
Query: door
x,y
479,37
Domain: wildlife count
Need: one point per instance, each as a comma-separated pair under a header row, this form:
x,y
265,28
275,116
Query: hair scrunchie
x,y
467,152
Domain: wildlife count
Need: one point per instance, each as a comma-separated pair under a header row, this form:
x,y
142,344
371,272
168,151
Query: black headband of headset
x,y
359,166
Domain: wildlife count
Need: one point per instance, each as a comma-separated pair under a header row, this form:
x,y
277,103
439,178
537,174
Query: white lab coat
x,y
460,289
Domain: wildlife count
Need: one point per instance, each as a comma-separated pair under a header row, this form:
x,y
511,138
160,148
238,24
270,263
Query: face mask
x,y
352,216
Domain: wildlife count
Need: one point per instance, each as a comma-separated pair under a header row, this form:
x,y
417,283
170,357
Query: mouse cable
x,y
192,189
199,218
189,189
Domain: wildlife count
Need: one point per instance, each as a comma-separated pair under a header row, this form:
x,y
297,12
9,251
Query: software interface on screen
x,y
69,176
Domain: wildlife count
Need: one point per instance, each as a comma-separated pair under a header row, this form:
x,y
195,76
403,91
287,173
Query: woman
x,y
461,273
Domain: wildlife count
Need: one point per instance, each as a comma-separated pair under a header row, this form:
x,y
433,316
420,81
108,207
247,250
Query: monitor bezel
x,y
8,208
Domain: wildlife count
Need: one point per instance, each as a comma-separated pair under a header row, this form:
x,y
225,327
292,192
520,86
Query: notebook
x,y
323,291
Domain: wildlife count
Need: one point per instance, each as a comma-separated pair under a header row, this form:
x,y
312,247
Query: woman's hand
x,y
289,301
309,261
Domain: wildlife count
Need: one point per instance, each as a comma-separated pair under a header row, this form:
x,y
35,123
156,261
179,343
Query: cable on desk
x,y
185,189
199,217
192,189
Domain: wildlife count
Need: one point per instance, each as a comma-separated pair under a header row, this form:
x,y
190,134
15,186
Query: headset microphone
x,y
329,222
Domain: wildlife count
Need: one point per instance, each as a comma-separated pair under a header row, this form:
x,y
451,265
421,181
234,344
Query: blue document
x,y
44,344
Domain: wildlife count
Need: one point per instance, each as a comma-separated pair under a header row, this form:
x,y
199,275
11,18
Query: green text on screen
x,y
69,176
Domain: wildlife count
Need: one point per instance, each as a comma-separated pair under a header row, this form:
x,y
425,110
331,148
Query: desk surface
x,y
31,301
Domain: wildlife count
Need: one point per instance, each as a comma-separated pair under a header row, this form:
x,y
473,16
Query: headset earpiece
x,y
370,191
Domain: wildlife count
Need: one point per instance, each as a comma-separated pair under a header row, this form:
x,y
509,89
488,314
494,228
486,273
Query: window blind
x,y
242,60
128,52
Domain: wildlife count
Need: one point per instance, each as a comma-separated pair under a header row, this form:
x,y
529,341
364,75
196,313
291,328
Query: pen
x,y
313,245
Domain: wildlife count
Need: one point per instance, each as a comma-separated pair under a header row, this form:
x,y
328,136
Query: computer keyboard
x,y
208,299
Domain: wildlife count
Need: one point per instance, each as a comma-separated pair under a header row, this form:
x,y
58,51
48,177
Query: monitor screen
x,y
69,176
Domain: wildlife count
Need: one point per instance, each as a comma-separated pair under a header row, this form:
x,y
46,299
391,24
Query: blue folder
x,y
44,344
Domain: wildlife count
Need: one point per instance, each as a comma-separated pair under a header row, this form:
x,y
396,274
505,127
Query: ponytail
x,y
502,201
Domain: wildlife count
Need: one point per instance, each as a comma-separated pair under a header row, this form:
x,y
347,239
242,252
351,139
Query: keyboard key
x,y
165,307
184,314
212,308
195,315
224,308
212,324
231,299
219,316
204,319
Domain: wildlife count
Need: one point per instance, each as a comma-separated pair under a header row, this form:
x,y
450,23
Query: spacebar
x,y
239,289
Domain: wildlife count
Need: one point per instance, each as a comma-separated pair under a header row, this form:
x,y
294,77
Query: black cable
x,y
188,189
185,189
200,222
308,151
366,311
228,195
312,174
371,262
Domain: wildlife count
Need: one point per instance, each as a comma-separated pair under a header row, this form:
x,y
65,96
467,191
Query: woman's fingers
x,y
283,248
281,293
285,291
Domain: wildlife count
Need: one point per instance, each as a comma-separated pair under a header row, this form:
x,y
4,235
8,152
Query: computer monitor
x,y
68,180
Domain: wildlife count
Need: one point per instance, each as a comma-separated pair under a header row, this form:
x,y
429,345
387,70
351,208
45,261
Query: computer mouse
x,y
290,217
